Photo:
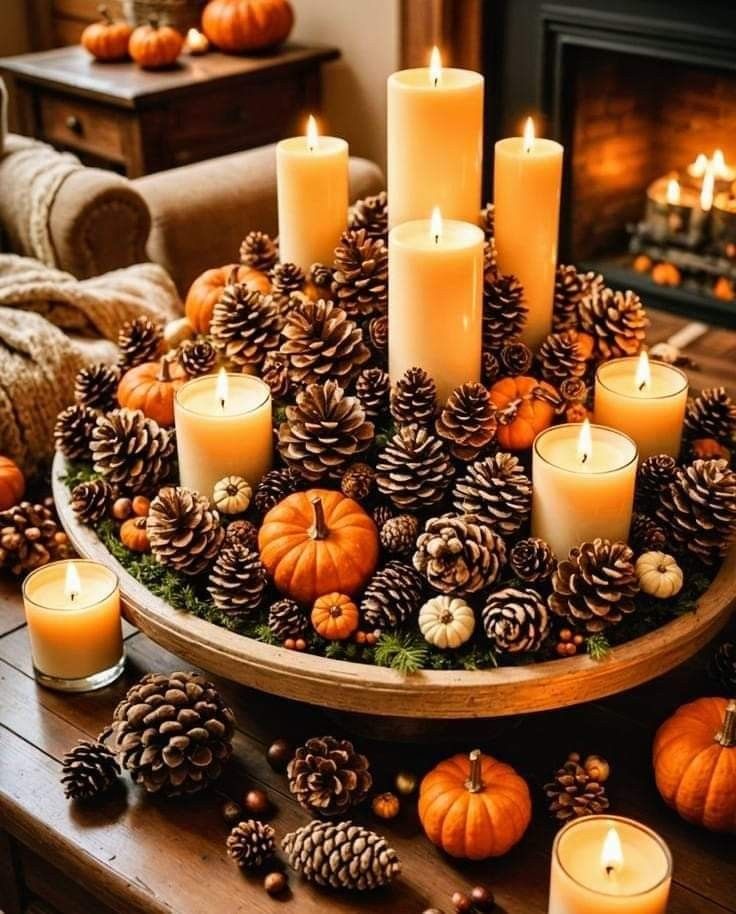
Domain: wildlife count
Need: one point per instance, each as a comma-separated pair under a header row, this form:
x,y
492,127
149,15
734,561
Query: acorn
x,y
275,883
482,899
279,754
122,508
597,768
256,803
461,902
405,783
231,812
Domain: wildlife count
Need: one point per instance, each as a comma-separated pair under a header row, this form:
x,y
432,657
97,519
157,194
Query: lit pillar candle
x,y
435,300
527,182
584,477
223,428
435,143
609,865
647,400
73,615
312,187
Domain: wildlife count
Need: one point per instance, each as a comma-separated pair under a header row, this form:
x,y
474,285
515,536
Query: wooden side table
x,y
138,122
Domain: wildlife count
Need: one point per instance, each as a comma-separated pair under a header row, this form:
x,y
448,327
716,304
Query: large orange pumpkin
x,y
474,806
247,25
318,541
522,413
206,291
695,763
151,387
12,483
154,46
108,39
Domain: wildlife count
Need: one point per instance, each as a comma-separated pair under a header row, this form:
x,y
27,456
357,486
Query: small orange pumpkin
x,y
154,47
695,763
12,483
150,387
474,806
247,25
206,291
316,542
522,413
107,39
133,535
335,616
666,274
724,289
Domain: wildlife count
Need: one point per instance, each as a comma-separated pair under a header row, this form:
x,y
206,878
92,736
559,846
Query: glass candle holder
x,y
73,614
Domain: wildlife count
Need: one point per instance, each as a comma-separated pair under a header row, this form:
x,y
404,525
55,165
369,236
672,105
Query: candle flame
x,y
706,191
673,191
612,855
718,163
528,135
585,442
643,372
72,584
436,225
312,134
435,66
698,167
221,389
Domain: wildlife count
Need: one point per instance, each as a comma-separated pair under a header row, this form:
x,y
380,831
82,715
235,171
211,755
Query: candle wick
x,y
436,81
609,871
584,458
222,404
642,385
436,239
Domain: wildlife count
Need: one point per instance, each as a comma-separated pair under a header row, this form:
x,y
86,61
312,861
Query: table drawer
x,y
82,125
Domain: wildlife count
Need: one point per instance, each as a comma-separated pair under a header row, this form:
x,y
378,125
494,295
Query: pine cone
x,y
320,342
561,357
96,386
381,515
327,776
139,341
237,581
413,470
490,368
571,288
245,326
495,488
287,279
90,501
184,530
468,421
73,431
516,619
488,220
515,357
595,585
373,389
698,509
712,414
321,276
287,619
414,398
242,532
378,334
274,487
88,770
393,595
132,452
197,357
259,251
459,554
532,559
399,534
722,667
370,214
250,844
173,733
617,321
504,310
343,856
360,283
654,477
646,534
275,372
323,432
358,481
30,537
573,391
573,793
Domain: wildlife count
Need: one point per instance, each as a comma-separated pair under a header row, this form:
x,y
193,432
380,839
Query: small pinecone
x,y
90,501
327,776
132,452
360,283
399,534
242,532
88,770
378,334
414,469
595,585
28,536
573,793
73,431
490,368
245,326
712,414
250,844
184,530
414,398
259,251
617,321
722,667
496,488
488,220
274,487
504,310
373,389
532,559
381,515
646,534
574,392
323,432
321,342
287,619
237,581
197,357
459,554
286,279
516,619
571,287
321,276
358,481
698,509
393,595
561,358
173,733
490,259
370,214
96,386
275,372
139,341
515,357
342,856
468,421
655,475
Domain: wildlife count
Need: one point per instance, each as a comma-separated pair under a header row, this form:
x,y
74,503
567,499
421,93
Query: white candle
x,y
435,143
435,301
312,186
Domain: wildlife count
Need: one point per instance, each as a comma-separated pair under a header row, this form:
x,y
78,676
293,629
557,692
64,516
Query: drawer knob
x,y
74,124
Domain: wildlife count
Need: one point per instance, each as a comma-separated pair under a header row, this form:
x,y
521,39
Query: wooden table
x,y
141,121
132,854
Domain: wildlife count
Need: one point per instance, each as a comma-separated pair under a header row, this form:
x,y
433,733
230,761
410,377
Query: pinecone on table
x,y
490,367
488,220
30,537
242,532
646,534
342,856
275,372
173,733
399,534
132,452
571,287
287,279
327,776
496,488
532,559
378,334
573,391
320,342
515,357
414,469
73,431
459,554
617,321
360,282
323,432
88,770
722,666
321,275
414,398
654,476
373,389
237,581
468,421
245,326
184,530
274,487
287,619
516,619
90,501
574,793
197,357
504,310
96,386
139,341
358,481
382,513
561,357
251,843
259,251
490,258
712,414
595,585
698,509
393,595
371,215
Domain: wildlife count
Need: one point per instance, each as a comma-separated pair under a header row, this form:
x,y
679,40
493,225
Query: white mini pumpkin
x,y
446,622
232,495
659,575
176,331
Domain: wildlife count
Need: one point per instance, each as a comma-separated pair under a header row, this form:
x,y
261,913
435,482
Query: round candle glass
x,y
653,415
582,883
76,640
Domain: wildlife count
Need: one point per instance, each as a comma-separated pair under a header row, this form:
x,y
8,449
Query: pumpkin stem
x,y
319,529
153,22
164,372
726,736
105,14
232,279
474,783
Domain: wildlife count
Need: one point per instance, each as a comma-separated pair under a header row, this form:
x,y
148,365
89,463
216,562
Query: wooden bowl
x,y
373,690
